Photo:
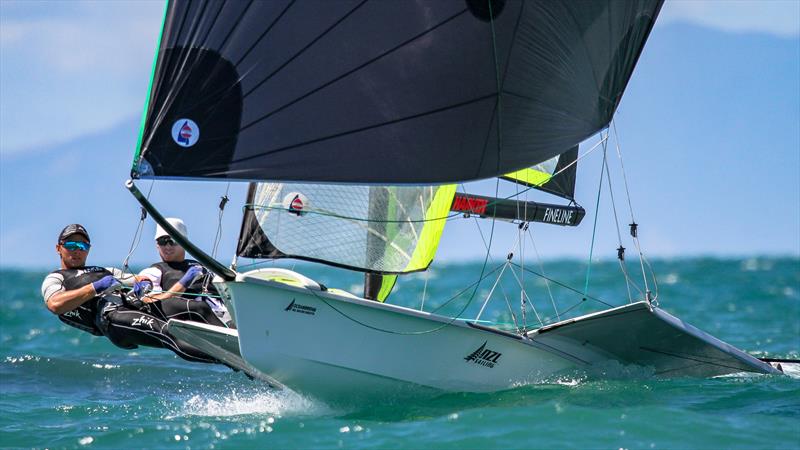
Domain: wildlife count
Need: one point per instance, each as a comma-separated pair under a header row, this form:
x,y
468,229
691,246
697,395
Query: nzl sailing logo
x,y
302,309
185,132
483,356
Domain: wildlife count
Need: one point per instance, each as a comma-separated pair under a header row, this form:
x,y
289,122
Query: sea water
x,y
62,388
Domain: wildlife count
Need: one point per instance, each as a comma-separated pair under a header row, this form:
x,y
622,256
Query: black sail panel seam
x,y
269,28
349,72
359,130
531,99
302,50
502,84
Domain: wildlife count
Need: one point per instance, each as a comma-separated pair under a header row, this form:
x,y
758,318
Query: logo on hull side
x,y
484,357
302,309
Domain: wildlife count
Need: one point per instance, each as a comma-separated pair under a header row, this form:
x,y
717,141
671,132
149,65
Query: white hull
x,y
328,344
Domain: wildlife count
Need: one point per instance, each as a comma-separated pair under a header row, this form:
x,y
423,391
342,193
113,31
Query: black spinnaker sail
x,y
387,92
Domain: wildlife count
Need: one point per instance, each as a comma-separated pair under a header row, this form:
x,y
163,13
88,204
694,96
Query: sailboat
x,y
354,121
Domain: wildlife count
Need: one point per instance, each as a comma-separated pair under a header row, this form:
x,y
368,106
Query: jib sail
x,y
378,229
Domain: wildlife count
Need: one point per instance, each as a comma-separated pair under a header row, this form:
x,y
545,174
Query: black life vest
x,y
84,316
172,272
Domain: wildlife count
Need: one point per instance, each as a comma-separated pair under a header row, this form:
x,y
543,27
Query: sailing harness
x,y
84,317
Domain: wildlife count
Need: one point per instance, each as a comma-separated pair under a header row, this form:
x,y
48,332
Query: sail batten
x,y
384,93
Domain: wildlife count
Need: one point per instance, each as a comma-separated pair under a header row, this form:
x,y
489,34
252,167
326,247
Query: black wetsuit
x,y
196,292
128,327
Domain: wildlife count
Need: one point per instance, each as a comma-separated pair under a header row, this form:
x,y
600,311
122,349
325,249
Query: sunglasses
x,y
73,245
164,241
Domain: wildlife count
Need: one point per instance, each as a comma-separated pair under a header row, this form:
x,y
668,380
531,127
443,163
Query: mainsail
x,y
360,91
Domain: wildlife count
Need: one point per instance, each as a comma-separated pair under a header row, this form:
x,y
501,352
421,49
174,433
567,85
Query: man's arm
x,y
154,275
126,278
180,287
59,300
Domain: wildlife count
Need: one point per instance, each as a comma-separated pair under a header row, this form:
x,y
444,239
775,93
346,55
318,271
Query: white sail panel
x,y
384,229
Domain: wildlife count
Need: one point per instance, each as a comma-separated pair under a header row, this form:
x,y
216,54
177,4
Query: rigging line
x,y
218,236
321,212
630,204
424,291
594,228
653,276
524,295
546,281
349,72
621,255
485,259
412,333
137,235
486,246
454,214
580,157
566,286
269,28
491,291
302,50
505,296
359,130
580,302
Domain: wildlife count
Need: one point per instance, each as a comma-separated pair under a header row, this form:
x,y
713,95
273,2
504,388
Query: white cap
x,y
176,223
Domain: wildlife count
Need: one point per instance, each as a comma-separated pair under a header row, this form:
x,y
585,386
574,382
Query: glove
x,y
141,288
191,274
105,283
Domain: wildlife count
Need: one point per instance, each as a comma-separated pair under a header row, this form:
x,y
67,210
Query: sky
x,y
709,129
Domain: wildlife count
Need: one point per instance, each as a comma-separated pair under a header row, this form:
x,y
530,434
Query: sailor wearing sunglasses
x,y
183,285
91,298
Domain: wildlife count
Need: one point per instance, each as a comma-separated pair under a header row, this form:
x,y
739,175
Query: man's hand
x,y
105,283
141,288
191,275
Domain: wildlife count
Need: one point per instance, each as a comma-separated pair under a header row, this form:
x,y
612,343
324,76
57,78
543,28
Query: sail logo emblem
x,y
295,203
302,309
185,132
484,357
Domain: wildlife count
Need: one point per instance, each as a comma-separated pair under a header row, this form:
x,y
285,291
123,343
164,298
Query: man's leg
x,y
128,328
185,309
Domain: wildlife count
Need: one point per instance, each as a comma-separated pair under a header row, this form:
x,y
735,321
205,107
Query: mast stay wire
x,y
596,214
634,234
546,280
503,291
137,235
218,236
621,249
